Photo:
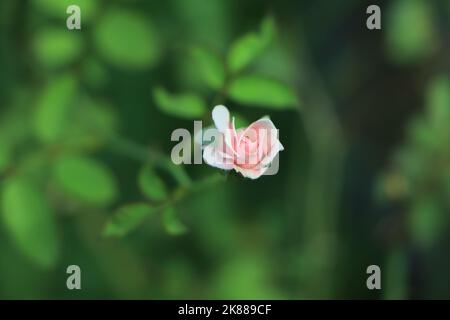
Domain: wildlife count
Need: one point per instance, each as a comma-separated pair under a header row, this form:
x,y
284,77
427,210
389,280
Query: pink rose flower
x,y
249,151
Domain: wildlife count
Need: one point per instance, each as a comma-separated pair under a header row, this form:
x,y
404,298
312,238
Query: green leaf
x,y
172,223
240,122
53,109
262,91
184,105
395,270
127,218
85,179
210,66
410,31
245,49
425,221
438,101
151,185
5,155
30,222
57,8
126,40
267,30
57,47
93,123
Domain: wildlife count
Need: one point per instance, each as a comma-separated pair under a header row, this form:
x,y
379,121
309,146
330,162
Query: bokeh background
x,y
85,171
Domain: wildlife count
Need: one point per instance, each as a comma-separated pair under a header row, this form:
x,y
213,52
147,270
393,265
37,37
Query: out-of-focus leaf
x,y
395,275
172,222
127,218
151,185
267,32
240,121
425,221
94,73
126,40
410,31
85,179
184,105
210,66
438,101
93,123
245,49
263,92
53,108
5,155
30,222
57,47
57,8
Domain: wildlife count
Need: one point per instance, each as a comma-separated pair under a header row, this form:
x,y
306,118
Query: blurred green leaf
x,y
57,47
5,155
172,222
395,274
211,67
243,51
240,121
126,40
30,222
57,8
246,48
263,92
438,101
94,73
92,124
425,221
410,31
184,105
151,185
53,108
127,218
85,179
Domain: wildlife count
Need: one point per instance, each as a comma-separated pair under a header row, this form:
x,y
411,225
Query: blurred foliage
x,y
86,176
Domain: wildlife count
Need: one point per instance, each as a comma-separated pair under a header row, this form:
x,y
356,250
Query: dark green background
x,y
364,178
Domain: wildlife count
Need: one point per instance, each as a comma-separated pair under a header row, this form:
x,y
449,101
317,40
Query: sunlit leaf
x,y
172,222
184,105
53,108
262,91
57,47
243,51
246,48
410,31
30,222
126,40
85,179
127,218
57,8
151,185
210,66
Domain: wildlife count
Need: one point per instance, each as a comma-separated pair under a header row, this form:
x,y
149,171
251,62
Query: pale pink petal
x,y
253,173
221,118
216,158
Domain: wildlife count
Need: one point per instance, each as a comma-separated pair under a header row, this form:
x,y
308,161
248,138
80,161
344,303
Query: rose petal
x,y
221,117
216,158
253,173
